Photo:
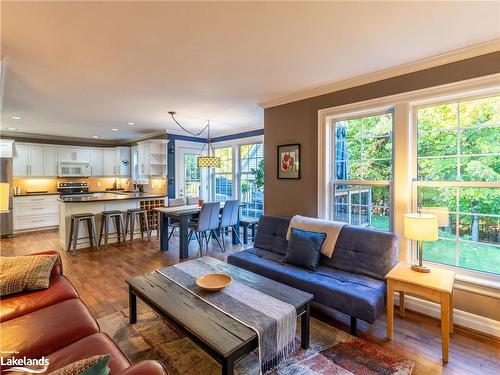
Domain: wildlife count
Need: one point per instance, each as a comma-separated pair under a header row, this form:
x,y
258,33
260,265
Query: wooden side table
x,y
436,286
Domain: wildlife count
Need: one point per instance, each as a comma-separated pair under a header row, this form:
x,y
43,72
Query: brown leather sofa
x,y
55,323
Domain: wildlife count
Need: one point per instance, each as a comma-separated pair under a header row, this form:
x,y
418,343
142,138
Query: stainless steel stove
x,y
73,188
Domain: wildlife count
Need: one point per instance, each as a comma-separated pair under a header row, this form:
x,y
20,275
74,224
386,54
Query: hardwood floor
x,y
99,277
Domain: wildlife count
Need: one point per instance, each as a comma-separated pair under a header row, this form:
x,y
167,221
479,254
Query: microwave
x,y
74,169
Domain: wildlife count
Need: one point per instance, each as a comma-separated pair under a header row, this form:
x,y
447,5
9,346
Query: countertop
x,y
107,196
35,194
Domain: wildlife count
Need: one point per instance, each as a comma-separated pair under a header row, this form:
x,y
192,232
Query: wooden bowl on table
x,y
214,282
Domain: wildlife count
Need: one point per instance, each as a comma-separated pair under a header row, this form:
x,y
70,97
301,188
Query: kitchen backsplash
x,y
156,185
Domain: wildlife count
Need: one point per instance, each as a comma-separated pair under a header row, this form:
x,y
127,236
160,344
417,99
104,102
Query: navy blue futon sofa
x,y
352,281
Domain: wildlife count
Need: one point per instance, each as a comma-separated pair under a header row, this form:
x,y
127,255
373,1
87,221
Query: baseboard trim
x,y
461,318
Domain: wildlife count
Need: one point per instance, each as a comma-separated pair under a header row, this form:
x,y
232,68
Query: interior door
x,y
191,181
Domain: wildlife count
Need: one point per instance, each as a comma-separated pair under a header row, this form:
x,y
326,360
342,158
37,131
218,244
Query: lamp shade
x,y
4,196
208,162
442,214
421,227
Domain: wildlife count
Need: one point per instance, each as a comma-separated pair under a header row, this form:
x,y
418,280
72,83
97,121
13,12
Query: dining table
x,y
183,214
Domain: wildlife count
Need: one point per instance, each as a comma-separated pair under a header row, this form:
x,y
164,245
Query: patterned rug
x,y
331,350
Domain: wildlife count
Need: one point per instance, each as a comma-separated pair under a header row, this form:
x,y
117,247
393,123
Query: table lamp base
x,y
416,267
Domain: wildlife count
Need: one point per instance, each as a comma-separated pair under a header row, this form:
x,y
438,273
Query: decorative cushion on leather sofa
x,y
95,365
304,248
25,273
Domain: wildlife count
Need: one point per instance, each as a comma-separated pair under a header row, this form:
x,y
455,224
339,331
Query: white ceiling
x,y
82,68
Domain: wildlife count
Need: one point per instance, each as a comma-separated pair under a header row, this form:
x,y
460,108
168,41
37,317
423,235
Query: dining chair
x,y
176,202
229,219
208,221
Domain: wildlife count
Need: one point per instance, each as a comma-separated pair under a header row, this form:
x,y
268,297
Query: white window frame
x,y
414,107
333,182
214,173
240,173
404,162
235,144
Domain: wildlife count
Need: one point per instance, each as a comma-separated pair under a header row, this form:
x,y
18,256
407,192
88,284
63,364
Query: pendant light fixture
x,y
209,161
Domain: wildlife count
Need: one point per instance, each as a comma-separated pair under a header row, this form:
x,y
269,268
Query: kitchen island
x,y
96,203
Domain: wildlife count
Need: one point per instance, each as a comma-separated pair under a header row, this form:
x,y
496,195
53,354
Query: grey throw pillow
x,y
304,248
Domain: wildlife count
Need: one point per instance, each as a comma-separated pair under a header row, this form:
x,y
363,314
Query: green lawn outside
x,y
475,256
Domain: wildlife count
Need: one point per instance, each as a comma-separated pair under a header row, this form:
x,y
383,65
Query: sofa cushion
x,y
98,343
352,294
46,330
15,305
364,251
271,234
25,273
304,248
95,365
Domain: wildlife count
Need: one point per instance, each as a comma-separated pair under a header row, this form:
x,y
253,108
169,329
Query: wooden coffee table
x,y
221,336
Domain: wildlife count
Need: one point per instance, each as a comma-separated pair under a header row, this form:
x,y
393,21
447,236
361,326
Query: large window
x,y
223,176
458,168
362,172
252,179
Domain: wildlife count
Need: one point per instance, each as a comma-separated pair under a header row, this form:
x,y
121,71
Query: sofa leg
x,y
354,326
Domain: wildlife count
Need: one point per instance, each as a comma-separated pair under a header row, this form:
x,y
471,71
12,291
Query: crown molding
x,y
415,66
237,131
76,140
144,137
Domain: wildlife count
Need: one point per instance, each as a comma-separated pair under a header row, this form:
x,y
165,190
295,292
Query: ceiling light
x,y
11,128
115,129
16,118
95,136
130,123
208,161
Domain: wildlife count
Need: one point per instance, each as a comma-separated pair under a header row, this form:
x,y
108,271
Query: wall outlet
x,y
99,183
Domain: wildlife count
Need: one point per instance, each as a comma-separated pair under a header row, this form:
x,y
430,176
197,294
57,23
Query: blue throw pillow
x,y
304,248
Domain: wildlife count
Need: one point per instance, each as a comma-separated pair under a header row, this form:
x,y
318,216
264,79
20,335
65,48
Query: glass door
x,y
190,180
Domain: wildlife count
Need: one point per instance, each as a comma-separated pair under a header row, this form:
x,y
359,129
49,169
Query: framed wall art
x,y
289,161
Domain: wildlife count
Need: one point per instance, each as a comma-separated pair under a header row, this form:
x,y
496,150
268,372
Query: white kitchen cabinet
x,y
152,158
34,212
83,155
143,160
76,154
117,161
28,160
109,165
97,162
20,160
122,155
50,161
36,160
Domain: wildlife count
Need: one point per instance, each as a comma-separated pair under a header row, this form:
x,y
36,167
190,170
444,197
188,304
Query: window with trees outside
x,y
223,176
458,169
252,179
362,172
192,176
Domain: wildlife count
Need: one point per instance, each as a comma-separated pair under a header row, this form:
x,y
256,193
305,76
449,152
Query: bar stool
x,y
75,226
134,214
106,217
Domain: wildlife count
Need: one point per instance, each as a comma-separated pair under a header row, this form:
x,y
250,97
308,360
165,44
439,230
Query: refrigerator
x,y
6,195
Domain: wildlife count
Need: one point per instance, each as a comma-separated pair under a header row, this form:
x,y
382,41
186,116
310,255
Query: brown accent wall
x,y
297,122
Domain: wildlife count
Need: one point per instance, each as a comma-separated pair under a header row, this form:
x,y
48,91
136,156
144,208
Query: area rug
x,y
331,350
